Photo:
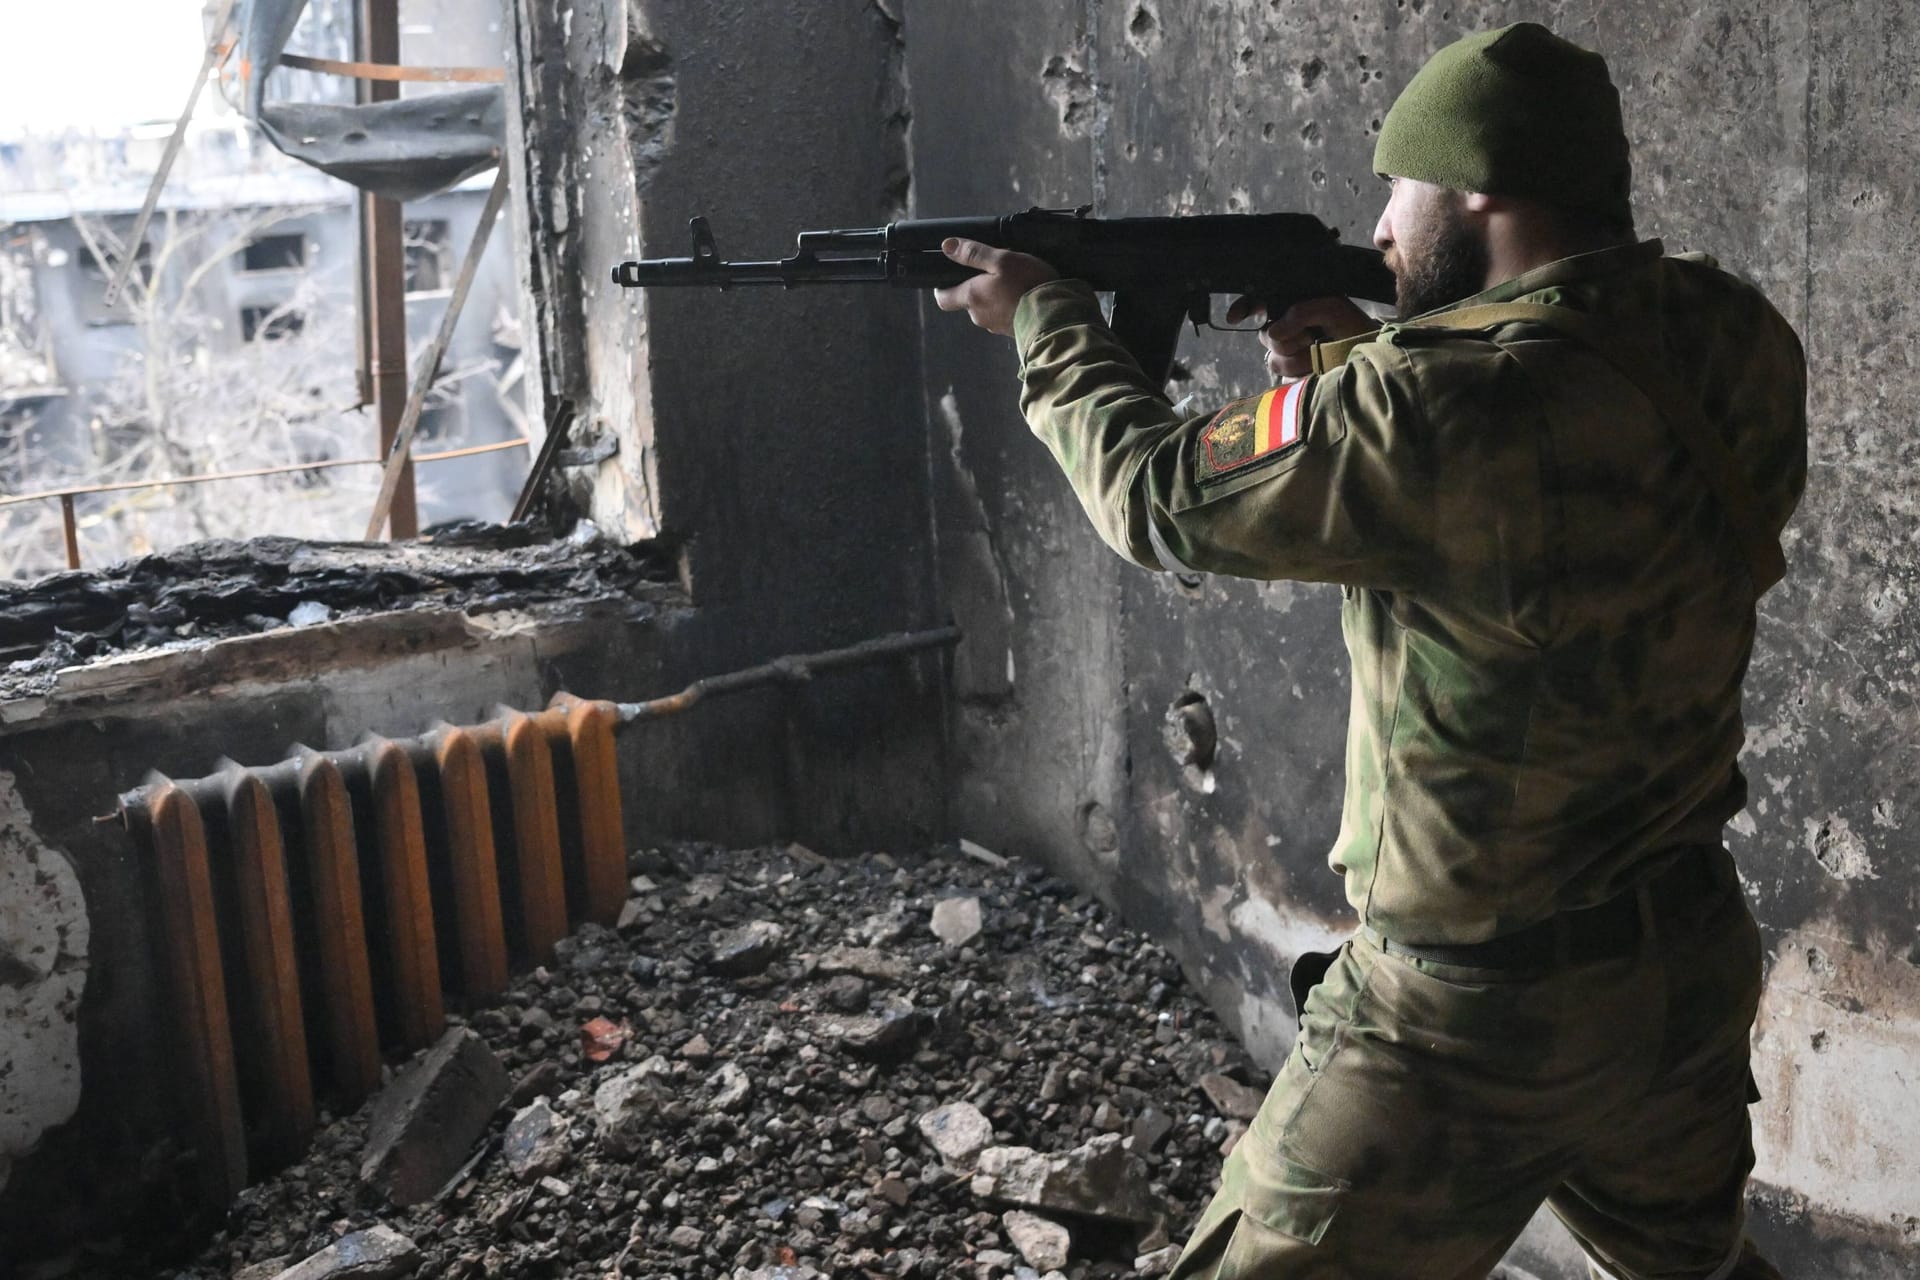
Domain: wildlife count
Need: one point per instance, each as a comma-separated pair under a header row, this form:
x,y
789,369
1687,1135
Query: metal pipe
x,y
72,528
793,669
383,259
291,468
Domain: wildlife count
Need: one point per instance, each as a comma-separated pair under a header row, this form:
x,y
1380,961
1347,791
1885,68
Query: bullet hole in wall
x,y
1190,733
1818,964
1143,28
1099,834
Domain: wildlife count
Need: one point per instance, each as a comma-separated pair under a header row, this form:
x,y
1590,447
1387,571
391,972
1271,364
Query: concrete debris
x,y
818,1165
956,921
733,1088
1230,1098
891,1028
846,994
883,928
535,1143
1053,1086
267,1269
959,1132
425,1123
542,1078
536,1024
743,952
864,962
1150,1129
1157,1263
624,1106
1041,1241
377,1253
309,613
705,890
980,853
1099,1179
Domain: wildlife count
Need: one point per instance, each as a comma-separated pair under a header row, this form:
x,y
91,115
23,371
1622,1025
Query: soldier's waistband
x,y
1609,931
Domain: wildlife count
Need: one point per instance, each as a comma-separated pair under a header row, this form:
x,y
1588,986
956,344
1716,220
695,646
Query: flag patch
x,y
1250,431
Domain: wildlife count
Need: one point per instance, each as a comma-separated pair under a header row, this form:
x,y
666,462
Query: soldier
x,y
1551,493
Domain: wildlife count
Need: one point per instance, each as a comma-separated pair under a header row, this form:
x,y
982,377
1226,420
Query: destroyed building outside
x,y
1031,879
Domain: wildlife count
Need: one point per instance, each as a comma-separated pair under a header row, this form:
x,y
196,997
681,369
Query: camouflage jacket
x,y
1547,614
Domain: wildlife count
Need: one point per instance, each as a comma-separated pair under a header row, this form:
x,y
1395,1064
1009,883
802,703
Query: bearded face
x,y
1438,256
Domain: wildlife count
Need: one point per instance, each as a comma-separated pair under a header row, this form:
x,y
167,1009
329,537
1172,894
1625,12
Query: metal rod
x,y
386,71
559,426
383,268
292,468
794,669
402,440
216,50
72,527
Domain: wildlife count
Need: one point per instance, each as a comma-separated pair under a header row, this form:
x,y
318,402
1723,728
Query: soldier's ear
x,y
1480,202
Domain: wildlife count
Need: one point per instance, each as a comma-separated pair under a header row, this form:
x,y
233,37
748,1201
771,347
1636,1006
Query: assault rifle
x,y
1160,271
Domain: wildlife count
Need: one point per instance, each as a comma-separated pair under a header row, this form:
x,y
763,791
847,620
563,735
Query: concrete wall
x,y
1781,140
774,438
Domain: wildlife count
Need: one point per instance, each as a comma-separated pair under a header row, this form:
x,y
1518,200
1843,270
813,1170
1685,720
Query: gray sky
x,y
98,64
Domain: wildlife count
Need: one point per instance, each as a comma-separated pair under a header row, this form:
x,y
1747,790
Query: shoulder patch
x,y
1248,432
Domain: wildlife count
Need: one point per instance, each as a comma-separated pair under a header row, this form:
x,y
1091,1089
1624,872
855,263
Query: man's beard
x,y
1451,266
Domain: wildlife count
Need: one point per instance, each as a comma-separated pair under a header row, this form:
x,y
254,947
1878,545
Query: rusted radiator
x,y
313,912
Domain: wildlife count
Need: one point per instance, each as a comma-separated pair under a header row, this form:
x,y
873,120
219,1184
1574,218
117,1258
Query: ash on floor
x,y
918,1066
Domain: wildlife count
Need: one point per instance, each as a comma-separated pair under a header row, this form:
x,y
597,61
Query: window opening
x,y
270,324
275,253
425,245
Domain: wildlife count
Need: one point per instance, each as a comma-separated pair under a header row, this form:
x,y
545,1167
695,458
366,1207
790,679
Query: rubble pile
x,y
781,1066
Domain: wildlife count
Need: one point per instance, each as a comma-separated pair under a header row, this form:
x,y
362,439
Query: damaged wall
x,y
774,438
43,971
1779,140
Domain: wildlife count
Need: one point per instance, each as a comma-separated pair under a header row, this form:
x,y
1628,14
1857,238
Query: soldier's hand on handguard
x,y
1289,335
990,297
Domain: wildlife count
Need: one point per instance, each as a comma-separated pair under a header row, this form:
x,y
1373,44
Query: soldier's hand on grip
x,y
1288,336
990,297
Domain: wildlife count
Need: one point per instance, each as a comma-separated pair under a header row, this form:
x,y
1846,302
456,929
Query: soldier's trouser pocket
x,y
1264,1222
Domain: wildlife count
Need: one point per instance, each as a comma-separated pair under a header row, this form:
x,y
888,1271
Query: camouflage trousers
x,y
1427,1110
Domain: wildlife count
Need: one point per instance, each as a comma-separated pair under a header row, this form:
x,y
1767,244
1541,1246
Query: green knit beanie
x,y
1516,112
